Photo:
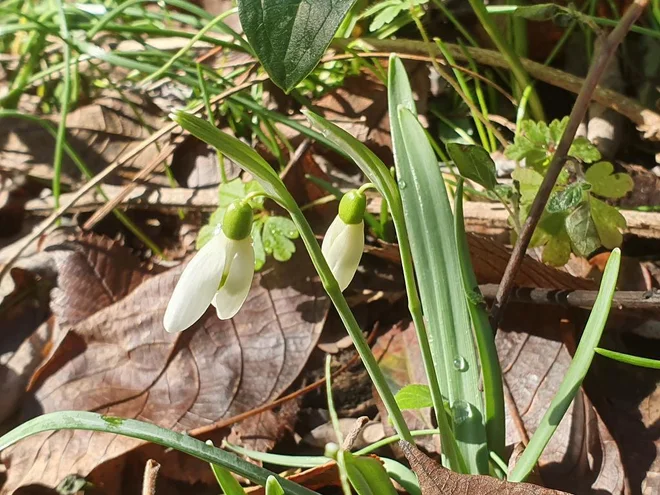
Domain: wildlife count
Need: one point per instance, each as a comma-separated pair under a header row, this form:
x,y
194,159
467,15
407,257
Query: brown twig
x,y
150,477
622,300
577,115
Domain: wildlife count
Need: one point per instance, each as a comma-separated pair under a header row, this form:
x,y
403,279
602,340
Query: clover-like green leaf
x,y
608,221
277,235
414,397
290,36
582,231
582,149
606,183
529,182
474,163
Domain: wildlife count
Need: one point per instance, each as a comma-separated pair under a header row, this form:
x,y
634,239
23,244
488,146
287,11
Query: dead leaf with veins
x,y
119,361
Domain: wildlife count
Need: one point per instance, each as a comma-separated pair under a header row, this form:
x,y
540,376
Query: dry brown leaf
x,y
314,478
121,362
262,431
436,480
99,132
400,359
195,164
489,259
93,273
582,456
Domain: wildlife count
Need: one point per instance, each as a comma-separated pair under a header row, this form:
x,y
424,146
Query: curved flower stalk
x,y
220,274
343,243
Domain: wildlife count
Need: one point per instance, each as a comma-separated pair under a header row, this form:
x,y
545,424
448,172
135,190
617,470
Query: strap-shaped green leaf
x,y
83,420
291,36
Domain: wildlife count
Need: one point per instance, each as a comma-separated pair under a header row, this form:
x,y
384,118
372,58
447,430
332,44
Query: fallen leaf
x,y
93,273
313,478
121,362
436,480
99,132
195,164
262,431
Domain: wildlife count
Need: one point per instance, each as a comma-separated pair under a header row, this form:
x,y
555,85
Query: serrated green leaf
x,y
277,235
566,199
258,245
518,149
529,182
582,231
557,128
537,132
230,191
582,149
608,221
290,37
607,184
414,397
474,163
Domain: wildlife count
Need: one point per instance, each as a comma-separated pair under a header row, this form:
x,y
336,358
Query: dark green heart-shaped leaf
x,y
474,163
290,36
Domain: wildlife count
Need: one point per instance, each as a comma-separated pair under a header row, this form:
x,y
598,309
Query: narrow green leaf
x,y
273,486
414,397
629,359
606,183
367,475
474,163
226,480
83,420
570,386
403,475
428,214
290,37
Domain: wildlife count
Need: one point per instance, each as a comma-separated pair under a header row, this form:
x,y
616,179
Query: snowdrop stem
x,y
361,345
365,187
258,194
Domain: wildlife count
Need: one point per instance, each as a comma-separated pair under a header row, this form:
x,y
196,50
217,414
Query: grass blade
x,y
629,359
83,420
576,371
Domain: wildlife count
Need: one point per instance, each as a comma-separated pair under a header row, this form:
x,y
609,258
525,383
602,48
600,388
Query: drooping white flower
x,y
343,243
219,274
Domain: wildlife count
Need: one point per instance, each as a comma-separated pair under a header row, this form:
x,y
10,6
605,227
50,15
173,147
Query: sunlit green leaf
x,y
606,183
290,37
608,221
582,149
414,397
367,475
277,235
557,128
529,182
474,163
273,487
582,230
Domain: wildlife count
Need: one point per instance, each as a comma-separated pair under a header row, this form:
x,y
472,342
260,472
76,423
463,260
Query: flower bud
x,y
237,222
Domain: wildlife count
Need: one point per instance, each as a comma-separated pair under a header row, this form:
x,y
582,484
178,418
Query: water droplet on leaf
x,y
461,411
402,184
460,363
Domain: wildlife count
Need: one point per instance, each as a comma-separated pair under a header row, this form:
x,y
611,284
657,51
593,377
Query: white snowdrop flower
x,y
343,243
219,274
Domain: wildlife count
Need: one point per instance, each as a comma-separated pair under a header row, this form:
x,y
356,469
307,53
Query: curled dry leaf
x,y
436,480
120,361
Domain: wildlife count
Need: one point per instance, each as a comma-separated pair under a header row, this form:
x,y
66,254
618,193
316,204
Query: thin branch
x,y
577,115
150,477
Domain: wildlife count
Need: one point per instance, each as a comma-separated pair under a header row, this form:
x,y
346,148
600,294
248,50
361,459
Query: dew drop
x,y
402,184
460,363
461,411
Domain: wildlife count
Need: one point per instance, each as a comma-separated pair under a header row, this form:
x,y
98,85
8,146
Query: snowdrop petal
x,y
197,286
231,296
344,251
